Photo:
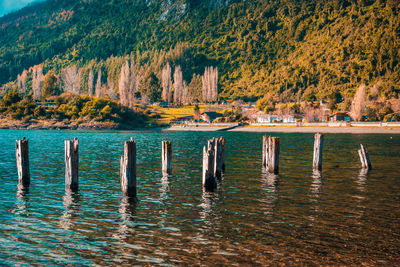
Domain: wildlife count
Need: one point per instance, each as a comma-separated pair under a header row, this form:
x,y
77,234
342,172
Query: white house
x,y
270,118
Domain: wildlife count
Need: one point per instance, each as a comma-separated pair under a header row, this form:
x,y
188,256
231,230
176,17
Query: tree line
x,y
126,81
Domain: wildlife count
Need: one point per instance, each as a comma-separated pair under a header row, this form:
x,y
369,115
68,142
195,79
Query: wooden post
x,y
270,156
364,158
218,158
128,169
22,156
318,147
274,145
223,149
209,181
265,151
71,164
166,157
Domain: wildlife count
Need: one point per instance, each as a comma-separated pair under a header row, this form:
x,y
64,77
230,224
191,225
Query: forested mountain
x,y
286,49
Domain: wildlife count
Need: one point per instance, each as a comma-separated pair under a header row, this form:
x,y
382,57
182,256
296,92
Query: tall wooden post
x,y
273,154
209,181
318,147
265,151
166,157
128,169
218,158
22,156
223,149
271,151
71,164
364,158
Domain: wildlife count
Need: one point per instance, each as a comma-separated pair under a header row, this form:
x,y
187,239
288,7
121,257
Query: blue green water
x,y
343,216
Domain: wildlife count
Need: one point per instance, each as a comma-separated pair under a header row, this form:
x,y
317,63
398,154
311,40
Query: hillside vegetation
x,y
287,50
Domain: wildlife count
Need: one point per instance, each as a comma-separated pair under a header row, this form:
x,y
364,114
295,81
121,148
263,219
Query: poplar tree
x,y
98,89
22,81
133,83
124,85
178,85
90,83
37,82
166,83
71,79
210,85
358,103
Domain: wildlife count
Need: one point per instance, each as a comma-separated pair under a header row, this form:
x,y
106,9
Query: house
x,y
271,118
209,116
341,116
185,119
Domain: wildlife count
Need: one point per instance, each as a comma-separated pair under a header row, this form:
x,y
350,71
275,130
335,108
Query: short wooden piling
x,y
128,169
71,164
209,179
166,157
271,151
364,158
22,156
318,148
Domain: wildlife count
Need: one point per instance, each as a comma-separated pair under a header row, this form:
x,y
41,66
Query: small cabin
x,y
341,116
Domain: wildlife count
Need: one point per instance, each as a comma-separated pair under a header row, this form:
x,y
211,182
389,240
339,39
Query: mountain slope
x,y
291,49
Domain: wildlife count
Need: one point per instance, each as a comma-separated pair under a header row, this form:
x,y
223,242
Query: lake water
x,y
343,216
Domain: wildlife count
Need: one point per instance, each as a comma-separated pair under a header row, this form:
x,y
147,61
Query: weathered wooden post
x,y
218,158
318,147
128,169
71,164
209,181
364,158
271,150
274,145
166,157
223,149
265,151
22,156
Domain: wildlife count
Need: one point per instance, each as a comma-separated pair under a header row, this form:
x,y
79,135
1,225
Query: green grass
x,y
170,114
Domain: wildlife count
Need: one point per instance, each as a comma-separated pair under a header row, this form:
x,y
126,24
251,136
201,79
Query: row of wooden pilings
x,y
213,161
271,150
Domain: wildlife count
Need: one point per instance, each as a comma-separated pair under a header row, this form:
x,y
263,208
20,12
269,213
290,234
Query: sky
x,y
6,6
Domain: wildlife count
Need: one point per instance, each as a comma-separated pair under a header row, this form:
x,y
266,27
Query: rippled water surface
x,y
342,216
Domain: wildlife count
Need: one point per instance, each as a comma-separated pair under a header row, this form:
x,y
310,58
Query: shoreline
x,y
107,126
61,125
291,129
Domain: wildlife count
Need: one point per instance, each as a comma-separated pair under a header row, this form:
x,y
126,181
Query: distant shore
x,y
7,124
289,129
57,125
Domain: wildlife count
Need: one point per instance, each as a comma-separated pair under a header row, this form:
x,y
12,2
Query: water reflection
x,y
127,211
316,184
361,180
164,189
22,199
315,193
210,213
71,203
359,196
269,185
